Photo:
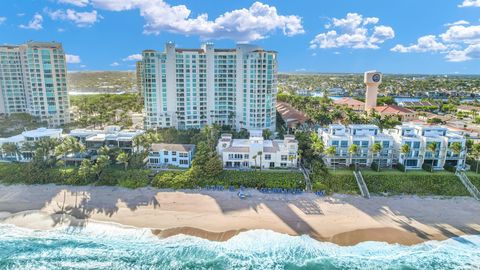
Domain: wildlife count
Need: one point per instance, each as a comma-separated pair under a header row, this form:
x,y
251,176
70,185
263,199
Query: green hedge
x,y
414,182
252,179
340,181
15,173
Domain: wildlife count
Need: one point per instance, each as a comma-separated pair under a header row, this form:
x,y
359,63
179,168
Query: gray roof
x,y
172,147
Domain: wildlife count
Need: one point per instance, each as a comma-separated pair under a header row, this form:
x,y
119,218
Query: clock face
x,y
376,77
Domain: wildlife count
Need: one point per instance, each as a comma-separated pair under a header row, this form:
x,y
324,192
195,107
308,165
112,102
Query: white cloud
x,y
81,19
460,22
2,20
460,42
73,59
353,31
78,3
470,3
424,44
469,53
114,64
35,23
133,57
257,22
460,33
83,66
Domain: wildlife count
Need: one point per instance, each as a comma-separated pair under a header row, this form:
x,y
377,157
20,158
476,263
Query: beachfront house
x,y
258,152
418,137
21,147
163,155
111,136
341,138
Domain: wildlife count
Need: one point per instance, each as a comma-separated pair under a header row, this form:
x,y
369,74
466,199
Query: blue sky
x,y
407,36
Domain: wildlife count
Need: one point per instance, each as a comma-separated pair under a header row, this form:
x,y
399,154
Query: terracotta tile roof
x,y
468,108
394,109
349,101
290,114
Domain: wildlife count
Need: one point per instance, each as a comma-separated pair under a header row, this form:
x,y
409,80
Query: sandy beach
x,y
219,215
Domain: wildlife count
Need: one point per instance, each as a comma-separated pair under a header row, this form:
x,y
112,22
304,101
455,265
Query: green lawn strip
x,y
420,182
338,181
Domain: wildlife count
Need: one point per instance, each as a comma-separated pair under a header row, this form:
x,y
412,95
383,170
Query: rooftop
x,y
172,147
349,102
393,109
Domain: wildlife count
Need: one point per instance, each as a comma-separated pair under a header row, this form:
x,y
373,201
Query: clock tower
x,y
372,79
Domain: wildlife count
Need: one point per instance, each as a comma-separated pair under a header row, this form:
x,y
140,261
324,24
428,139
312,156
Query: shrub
x,y
427,167
450,168
400,167
375,166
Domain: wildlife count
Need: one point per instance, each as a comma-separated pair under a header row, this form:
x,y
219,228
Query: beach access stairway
x,y
361,184
468,185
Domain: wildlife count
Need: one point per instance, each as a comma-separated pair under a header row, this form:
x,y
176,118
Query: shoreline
x,y
38,220
218,216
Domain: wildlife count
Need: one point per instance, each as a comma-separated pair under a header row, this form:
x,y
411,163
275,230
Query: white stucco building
x,y
418,137
111,136
364,136
190,88
256,151
162,155
24,143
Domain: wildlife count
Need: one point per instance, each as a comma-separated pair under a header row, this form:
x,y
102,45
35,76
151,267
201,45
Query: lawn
x,y
338,181
420,182
474,178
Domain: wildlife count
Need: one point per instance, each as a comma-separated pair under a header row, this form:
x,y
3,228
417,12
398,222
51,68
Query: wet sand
x,y
218,216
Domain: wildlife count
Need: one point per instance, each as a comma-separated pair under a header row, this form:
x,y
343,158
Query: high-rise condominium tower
x,y
33,79
190,88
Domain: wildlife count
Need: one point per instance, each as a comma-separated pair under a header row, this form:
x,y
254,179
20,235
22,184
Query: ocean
x,y
105,246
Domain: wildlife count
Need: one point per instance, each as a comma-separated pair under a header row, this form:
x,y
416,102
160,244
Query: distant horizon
x,y
309,73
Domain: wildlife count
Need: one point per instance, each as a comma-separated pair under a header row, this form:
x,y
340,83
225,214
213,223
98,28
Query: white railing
x,y
361,184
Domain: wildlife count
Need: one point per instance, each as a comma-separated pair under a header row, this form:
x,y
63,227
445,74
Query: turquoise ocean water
x,y
103,246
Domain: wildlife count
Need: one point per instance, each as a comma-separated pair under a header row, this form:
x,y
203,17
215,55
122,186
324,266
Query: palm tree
x,y
260,154
432,148
123,158
104,151
376,149
101,163
291,158
456,148
255,160
331,152
45,150
11,149
353,150
475,153
405,149
27,148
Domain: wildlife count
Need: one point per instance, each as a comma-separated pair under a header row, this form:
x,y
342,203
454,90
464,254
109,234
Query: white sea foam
x,y
110,246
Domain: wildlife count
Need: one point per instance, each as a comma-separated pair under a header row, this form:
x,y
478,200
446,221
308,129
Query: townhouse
x,y
364,137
